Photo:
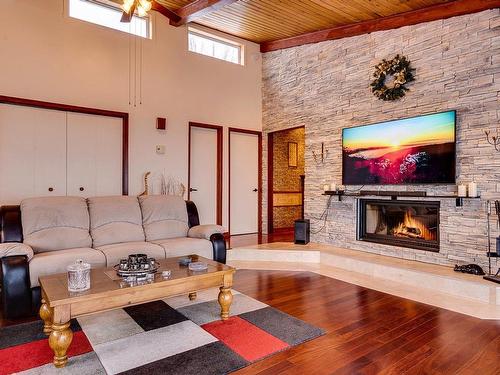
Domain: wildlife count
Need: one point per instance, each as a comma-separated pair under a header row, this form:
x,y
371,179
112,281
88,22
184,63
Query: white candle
x,y
462,190
333,187
472,189
326,187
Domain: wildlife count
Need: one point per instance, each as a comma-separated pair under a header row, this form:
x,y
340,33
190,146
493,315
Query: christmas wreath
x,y
399,68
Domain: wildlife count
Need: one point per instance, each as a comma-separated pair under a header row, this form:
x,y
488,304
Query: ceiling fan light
x,y
127,5
146,5
141,11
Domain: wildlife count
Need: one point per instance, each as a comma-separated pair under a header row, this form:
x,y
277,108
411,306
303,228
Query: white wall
x,y
46,55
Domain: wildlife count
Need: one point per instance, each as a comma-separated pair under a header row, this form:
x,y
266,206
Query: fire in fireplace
x,y
414,227
412,224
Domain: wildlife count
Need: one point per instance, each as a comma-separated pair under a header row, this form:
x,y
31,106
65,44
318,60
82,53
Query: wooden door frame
x,y
270,177
86,110
259,175
218,177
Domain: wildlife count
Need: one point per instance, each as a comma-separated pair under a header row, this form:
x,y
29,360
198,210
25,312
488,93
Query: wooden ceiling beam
x,y
171,15
432,13
198,9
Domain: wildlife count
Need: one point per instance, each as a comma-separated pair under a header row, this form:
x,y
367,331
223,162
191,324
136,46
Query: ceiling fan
x,y
130,6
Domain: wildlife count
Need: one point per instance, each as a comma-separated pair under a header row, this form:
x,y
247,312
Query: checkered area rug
x,y
173,336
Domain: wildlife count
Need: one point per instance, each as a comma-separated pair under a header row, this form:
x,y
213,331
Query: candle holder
x,y
321,157
494,140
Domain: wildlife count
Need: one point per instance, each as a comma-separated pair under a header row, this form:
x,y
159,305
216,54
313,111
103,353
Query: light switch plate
x,y
160,149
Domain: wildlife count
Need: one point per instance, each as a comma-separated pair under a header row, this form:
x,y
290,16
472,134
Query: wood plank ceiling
x,y
279,24
266,20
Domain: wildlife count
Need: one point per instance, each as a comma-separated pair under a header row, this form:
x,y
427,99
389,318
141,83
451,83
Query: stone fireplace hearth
x,y
413,224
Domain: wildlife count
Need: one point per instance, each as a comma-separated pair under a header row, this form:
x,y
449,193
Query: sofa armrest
x,y
205,231
214,234
16,288
11,228
193,218
8,249
219,246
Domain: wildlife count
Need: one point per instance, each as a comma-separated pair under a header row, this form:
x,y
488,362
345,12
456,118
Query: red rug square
x,y
38,353
249,341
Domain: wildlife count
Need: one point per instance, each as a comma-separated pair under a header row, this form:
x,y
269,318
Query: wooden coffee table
x,y
107,292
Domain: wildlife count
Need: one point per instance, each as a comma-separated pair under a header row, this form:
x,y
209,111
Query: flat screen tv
x,y
416,150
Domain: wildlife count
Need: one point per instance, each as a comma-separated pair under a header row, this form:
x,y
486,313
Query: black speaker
x,y
301,233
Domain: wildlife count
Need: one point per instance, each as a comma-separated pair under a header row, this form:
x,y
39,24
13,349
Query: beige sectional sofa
x,y
102,230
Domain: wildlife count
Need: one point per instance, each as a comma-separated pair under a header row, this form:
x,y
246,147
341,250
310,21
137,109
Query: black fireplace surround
x,y
413,224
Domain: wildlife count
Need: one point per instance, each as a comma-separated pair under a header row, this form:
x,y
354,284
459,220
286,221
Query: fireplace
x,y
412,224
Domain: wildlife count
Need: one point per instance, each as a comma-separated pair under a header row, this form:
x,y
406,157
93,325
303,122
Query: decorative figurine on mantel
x,y
472,269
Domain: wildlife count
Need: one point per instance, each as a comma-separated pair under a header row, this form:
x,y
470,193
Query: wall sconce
x,y
320,158
494,140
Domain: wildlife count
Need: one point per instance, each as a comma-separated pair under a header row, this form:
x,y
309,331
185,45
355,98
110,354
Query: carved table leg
x,y
225,299
59,341
192,296
46,314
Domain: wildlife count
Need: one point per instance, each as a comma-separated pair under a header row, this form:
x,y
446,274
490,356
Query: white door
x,y
203,173
94,155
244,180
32,153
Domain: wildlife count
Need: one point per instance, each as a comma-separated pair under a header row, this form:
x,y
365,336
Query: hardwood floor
x,y
369,332
254,239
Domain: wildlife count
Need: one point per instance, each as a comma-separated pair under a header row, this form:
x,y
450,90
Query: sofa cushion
x,y
52,262
117,251
55,223
114,220
176,247
164,216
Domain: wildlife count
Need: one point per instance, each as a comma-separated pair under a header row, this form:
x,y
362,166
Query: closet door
x,y
32,153
50,153
94,155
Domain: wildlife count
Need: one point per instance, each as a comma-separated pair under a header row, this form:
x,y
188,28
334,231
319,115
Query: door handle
x,y
51,189
192,189
255,190
82,188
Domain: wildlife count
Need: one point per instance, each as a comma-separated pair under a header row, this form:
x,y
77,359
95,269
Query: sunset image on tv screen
x,y
413,150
